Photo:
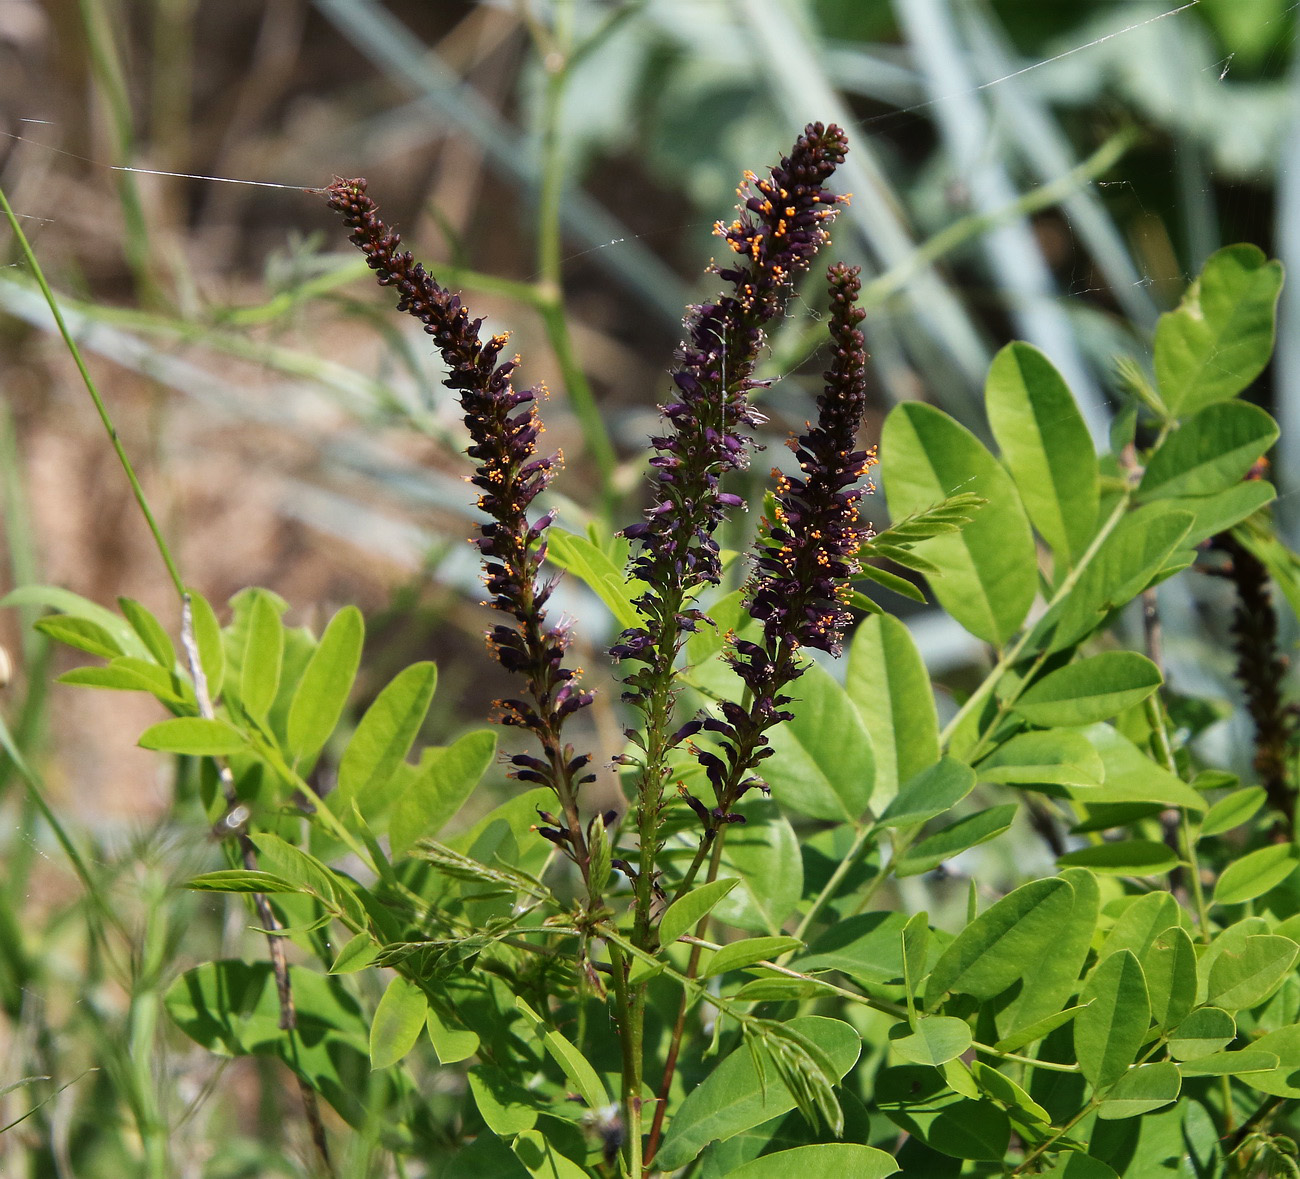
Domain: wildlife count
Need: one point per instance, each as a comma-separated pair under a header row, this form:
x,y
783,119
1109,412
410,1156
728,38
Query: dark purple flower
x,y
805,563
781,226
504,428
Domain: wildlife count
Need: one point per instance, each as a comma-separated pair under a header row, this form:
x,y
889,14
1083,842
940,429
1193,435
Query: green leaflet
x,y
823,766
326,683
1210,452
1052,757
1046,446
1255,873
398,1022
826,1158
988,578
682,915
259,675
764,854
890,687
444,779
579,556
194,736
1002,943
1220,337
936,789
1140,1090
1089,690
1109,1033
1128,560
383,737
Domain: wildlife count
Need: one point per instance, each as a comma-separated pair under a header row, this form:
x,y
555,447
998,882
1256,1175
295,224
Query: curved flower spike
x,y
504,428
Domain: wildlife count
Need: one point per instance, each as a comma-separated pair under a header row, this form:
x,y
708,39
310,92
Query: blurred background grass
x,y
1052,172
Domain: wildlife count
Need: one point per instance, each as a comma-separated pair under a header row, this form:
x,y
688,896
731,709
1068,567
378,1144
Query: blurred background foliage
x,y
1051,172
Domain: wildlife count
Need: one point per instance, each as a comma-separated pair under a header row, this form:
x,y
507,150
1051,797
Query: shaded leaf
x,y
733,1097
826,1158
398,1022
936,1039
1125,857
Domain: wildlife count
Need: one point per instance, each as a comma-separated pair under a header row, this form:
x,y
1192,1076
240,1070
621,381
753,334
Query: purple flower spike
x,y
781,226
804,566
504,428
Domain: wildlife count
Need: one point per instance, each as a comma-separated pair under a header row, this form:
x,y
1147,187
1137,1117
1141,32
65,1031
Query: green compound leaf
x,y
1221,335
988,577
1046,446
1210,452
1002,943
1255,873
383,737
889,685
398,1022
194,736
1090,690
326,683
1109,1033
734,1098
826,1158
683,915
1140,1090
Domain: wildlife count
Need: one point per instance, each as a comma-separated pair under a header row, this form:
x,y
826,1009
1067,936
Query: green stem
x,y
1156,718
630,1046
163,550
1012,653
861,845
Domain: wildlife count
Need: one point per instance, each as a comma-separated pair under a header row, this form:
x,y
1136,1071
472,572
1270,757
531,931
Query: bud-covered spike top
x,y
803,578
781,226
